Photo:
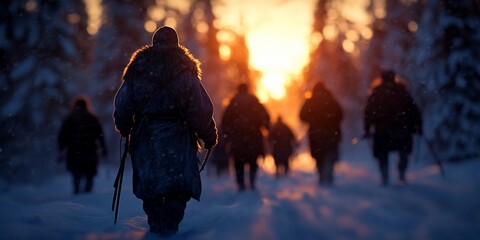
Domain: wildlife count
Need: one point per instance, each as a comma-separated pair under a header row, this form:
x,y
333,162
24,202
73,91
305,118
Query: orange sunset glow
x,y
277,35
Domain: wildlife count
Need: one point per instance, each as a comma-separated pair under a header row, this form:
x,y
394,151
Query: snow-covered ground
x,y
357,207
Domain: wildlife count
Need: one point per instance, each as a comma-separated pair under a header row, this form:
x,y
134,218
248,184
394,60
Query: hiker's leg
x,y
239,173
76,182
330,159
383,165
277,170
165,213
89,183
320,161
253,171
402,166
277,162
287,166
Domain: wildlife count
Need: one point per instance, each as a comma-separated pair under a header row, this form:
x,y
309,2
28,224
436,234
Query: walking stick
x,y
435,157
118,181
205,159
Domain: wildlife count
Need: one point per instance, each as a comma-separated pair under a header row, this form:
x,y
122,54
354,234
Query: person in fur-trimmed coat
x,y
163,107
394,117
242,124
324,115
80,136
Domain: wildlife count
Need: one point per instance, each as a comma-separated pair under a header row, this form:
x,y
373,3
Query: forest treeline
x,y
49,55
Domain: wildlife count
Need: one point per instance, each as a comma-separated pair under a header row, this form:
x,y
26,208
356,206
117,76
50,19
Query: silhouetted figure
x,y
80,135
324,115
242,122
282,141
394,116
165,110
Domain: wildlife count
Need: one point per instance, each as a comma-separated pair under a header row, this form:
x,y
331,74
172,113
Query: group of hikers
x,y
166,115
245,119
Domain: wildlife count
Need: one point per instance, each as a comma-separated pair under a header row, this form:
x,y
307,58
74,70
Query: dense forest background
x,y
49,54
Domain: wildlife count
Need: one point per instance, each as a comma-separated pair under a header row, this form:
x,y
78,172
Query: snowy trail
x,y
430,207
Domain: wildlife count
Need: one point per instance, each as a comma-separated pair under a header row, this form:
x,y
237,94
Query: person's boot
x,y
76,184
252,177
401,178
321,179
383,165
252,182
162,231
241,187
402,168
89,184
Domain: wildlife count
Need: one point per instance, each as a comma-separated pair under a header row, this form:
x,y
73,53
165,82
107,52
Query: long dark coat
x,y
81,134
282,140
165,107
394,116
242,122
324,116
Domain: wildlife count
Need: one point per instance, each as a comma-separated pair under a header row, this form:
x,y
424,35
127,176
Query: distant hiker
x,y
80,135
242,124
395,117
164,109
324,115
283,142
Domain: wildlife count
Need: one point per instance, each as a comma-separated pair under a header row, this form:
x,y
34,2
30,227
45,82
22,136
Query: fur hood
x,y
161,63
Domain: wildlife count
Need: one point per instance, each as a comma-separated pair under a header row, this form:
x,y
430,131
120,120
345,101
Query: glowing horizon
x,y
277,35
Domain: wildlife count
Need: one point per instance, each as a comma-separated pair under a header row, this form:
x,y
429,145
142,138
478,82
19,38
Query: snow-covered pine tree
x,y
445,76
398,34
332,64
121,33
37,45
200,36
77,16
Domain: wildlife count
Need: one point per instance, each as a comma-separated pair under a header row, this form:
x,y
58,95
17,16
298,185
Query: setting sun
x,y
278,53
278,37
272,85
